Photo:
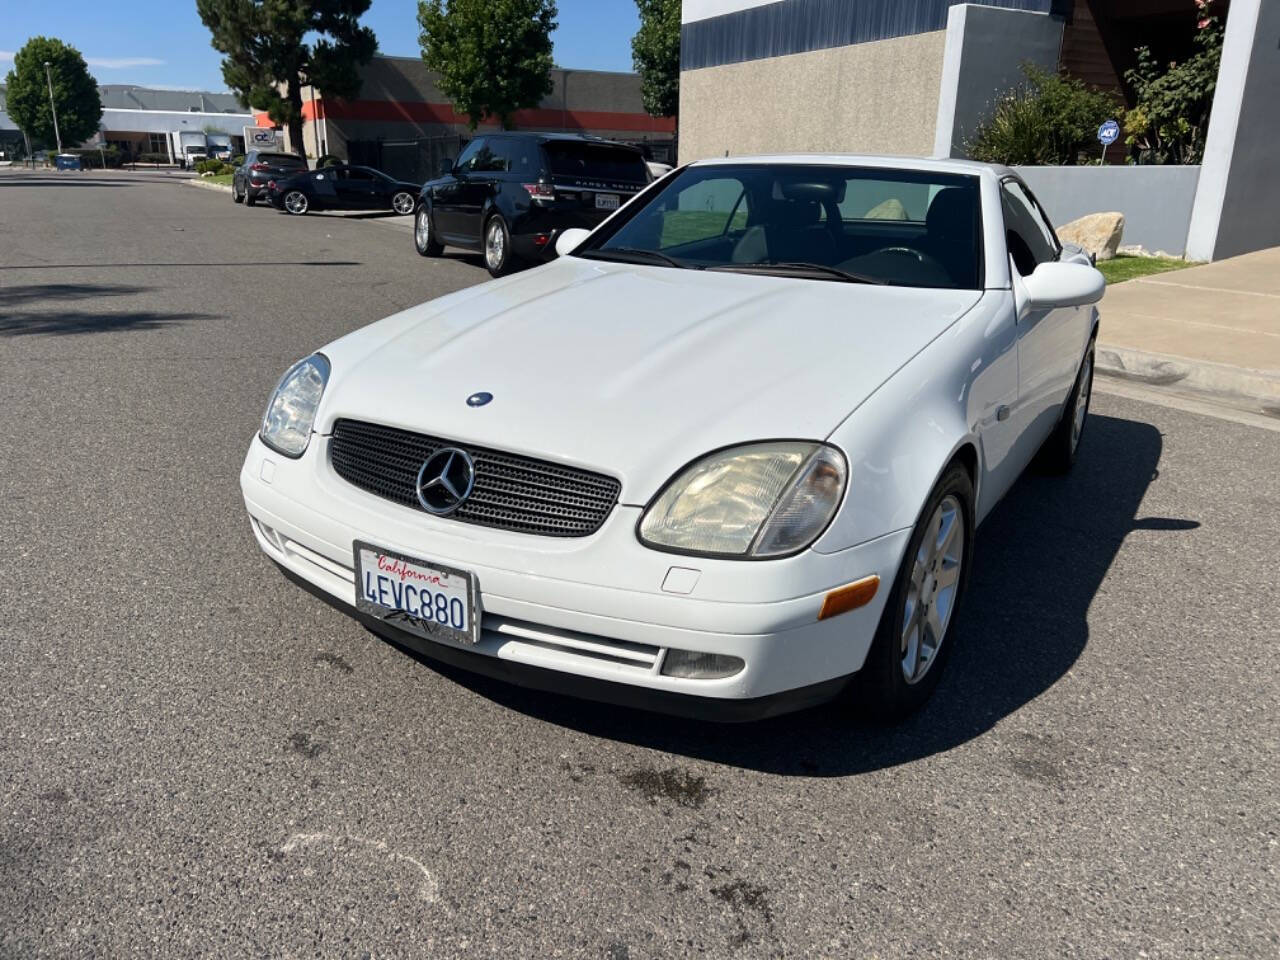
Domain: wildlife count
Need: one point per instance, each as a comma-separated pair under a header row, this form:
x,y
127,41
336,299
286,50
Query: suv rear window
x,y
595,161
281,159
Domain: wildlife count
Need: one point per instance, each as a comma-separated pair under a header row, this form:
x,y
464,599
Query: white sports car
x,y
724,457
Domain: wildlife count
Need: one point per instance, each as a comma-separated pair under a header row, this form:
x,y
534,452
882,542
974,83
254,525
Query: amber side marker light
x,y
849,597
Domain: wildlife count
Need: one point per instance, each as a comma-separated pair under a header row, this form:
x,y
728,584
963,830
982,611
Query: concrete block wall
x,y
1156,200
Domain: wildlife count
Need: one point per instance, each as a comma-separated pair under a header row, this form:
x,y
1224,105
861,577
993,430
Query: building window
x,y
157,143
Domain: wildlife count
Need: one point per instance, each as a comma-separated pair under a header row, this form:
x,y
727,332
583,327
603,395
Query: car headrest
x,y
797,214
952,214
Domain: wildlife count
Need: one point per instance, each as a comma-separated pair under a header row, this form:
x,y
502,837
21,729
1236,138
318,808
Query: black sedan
x,y
343,188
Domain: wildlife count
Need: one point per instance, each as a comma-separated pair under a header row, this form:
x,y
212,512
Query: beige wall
x,y
878,97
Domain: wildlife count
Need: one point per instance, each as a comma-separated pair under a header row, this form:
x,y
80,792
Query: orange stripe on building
x,y
420,112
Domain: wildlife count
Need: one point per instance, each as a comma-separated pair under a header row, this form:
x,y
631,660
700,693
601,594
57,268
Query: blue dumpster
x,y
68,161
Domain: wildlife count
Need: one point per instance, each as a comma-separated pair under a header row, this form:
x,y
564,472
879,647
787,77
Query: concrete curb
x,y
1256,389
205,184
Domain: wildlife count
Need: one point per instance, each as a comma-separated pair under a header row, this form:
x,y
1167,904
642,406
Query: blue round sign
x,y
1109,132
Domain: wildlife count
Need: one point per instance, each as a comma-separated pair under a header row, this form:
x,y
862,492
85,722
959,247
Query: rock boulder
x,y
1098,233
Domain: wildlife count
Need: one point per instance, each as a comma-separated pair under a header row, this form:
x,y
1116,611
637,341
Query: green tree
x,y
655,53
493,57
75,93
1170,118
270,44
1051,119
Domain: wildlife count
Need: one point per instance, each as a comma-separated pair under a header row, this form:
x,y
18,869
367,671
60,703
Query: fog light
x,y
692,665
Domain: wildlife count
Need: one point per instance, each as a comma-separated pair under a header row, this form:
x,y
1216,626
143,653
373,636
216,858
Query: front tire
x,y
402,203
498,257
295,202
1058,455
913,641
424,239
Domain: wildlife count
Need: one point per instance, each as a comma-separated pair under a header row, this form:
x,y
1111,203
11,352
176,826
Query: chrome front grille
x,y
512,492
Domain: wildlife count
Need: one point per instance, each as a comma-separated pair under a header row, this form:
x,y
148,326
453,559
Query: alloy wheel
x,y
402,203
422,229
932,592
295,201
1083,390
494,245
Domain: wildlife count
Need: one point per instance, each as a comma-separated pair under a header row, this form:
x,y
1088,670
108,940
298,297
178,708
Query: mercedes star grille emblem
x,y
446,480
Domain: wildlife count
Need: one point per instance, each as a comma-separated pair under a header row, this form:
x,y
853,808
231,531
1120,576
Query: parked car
x,y
511,194
343,187
726,456
249,182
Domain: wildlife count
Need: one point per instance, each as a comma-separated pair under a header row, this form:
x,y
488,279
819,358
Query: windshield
x,y
861,224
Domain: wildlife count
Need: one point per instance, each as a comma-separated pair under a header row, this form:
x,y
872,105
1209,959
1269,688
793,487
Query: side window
x,y
526,158
495,157
468,155
707,209
488,158
1030,240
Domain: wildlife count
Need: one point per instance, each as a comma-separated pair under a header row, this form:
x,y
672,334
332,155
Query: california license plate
x,y
606,201
422,597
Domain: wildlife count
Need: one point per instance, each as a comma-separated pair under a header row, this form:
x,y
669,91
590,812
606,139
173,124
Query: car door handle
x,y
1002,413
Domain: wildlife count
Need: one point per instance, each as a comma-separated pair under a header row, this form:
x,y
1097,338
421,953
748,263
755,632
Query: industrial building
x,y
138,120
401,123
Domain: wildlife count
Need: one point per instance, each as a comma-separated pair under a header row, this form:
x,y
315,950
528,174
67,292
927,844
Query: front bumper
x,y
593,616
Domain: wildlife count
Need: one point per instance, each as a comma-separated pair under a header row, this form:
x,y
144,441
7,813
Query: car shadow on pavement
x,y
1039,560
35,309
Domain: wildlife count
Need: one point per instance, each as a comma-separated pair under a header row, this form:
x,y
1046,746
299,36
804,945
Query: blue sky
x,y
163,42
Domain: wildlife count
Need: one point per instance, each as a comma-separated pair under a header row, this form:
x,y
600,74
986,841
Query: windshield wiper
x,y
631,255
790,266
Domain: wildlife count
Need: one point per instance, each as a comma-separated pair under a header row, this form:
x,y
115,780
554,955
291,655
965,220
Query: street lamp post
x,y
49,77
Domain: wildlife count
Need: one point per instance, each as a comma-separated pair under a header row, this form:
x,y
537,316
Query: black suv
x,y
511,194
249,182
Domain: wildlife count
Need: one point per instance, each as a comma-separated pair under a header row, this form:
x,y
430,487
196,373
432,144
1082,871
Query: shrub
x,y
91,158
1170,119
1049,120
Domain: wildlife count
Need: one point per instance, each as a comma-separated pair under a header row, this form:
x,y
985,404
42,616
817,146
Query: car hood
x,y
633,370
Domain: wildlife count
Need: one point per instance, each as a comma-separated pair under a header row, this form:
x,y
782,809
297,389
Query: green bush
x,y
91,158
152,158
1049,120
215,167
1170,118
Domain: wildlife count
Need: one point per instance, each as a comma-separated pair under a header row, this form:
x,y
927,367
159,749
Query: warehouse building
x,y
138,120
402,123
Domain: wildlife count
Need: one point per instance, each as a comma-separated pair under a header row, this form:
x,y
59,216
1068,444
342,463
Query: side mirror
x,y
1056,284
568,241
446,166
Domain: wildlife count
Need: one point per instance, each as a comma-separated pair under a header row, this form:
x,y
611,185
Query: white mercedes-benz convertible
x,y
724,457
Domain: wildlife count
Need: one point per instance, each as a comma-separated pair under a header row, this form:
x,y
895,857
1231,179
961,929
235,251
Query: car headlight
x,y
286,426
758,500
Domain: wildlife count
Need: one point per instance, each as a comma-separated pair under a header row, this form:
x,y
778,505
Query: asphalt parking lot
x,y
202,760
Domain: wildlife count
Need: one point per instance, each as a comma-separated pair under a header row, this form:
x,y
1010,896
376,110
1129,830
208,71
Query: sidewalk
x,y
1212,329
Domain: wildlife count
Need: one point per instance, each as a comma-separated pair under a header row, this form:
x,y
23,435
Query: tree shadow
x,y
1039,560
25,310
65,181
